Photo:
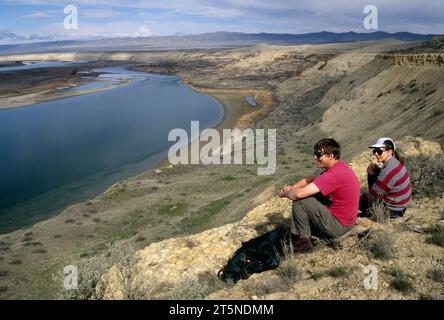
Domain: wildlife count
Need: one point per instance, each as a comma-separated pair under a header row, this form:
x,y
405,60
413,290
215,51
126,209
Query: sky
x,y
37,20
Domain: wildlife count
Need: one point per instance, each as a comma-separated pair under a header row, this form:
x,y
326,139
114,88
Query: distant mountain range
x,y
205,40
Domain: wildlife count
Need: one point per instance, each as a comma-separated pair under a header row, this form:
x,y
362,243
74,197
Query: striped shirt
x,y
393,185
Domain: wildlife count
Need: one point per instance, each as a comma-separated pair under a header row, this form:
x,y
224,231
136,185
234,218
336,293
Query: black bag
x,y
256,255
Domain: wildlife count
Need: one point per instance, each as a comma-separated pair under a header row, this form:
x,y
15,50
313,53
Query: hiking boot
x,y
301,244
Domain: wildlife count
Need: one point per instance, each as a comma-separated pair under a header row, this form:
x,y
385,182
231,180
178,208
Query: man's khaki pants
x,y
311,217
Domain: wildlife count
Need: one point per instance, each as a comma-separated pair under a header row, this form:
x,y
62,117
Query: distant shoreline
x,y
238,113
56,93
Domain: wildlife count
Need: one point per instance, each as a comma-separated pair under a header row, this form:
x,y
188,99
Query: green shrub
x,y
381,246
316,275
401,281
436,275
39,251
436,235
337,272
90,280
172,209
139,239
379,212
16,261
426,174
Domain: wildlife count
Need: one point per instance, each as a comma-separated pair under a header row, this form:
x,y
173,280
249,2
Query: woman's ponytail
x,y
398,156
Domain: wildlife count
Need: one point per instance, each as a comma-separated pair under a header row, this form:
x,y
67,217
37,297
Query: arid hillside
x,y
172,216
407,253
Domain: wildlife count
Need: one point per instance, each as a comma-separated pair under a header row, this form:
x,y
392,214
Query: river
x,y
65,151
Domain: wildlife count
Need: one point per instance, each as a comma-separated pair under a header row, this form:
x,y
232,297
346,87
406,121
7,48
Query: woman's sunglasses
x,y
378,151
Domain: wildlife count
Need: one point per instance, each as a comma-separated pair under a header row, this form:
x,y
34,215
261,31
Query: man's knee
x,y
304,203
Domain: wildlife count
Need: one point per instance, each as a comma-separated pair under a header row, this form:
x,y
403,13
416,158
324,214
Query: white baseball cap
x,y
384,142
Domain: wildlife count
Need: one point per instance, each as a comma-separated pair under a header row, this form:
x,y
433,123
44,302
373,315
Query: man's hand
x,y
284,191
295,193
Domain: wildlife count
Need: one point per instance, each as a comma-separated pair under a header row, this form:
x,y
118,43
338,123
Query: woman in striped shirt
x,y
389,182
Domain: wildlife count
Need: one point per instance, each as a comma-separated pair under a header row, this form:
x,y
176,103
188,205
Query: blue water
x,y
57,153
251,101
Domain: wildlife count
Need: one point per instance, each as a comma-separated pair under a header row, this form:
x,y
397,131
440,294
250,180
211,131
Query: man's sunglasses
x,y
318,153
378,151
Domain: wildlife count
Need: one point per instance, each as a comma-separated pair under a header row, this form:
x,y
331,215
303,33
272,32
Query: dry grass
x,y
379,213
426,173
196,288
401,280
436,235
338,272
436,275
380,244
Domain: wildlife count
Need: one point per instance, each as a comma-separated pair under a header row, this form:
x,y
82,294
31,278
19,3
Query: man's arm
x,y
301,193
300,184
304,182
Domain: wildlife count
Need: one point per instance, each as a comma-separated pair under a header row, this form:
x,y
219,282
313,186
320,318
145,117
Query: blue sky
x,y
43,19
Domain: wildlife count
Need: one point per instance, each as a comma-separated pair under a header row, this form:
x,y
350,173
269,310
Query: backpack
x,y
256,255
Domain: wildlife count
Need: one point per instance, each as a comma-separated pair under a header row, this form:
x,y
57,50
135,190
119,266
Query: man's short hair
x,y
329,146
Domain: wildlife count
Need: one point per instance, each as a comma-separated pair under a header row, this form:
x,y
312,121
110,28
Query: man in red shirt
x,y
326,205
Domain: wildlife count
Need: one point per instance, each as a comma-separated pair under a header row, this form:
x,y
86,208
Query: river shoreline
x,y
233,102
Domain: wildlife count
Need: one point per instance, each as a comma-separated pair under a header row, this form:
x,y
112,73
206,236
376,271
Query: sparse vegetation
x,y
171,210
140,239
436,235
32,244
401,281
39,251
426,173
3,273
16,261
338,272
316,275
205,214
436,275
90,282
116,193
381,245
197,287
379,213
269,285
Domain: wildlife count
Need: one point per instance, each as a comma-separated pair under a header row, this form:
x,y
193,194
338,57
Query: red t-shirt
x,y
340,184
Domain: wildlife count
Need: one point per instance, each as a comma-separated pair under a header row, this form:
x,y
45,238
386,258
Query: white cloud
x,y
39,15
277,16
143,31
99,13
97,30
